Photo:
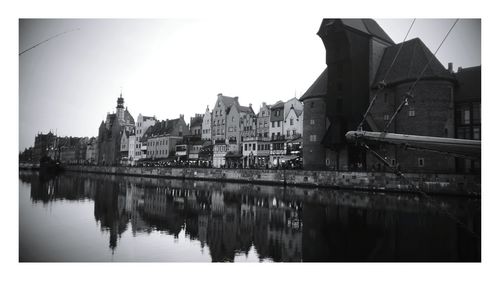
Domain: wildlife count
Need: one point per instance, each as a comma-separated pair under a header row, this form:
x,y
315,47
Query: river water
x,y
89,217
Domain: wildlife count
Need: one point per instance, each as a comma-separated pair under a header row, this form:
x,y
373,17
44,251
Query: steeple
x,y
120,114
120,101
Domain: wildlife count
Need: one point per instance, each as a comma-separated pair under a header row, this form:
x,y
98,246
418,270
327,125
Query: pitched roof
x,y
164,127
128,117
367,26
469,84
278,104
228,101
412,59
245,109
318,88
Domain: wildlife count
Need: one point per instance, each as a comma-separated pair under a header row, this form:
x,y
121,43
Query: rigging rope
x,y
409,93
48,39
381,84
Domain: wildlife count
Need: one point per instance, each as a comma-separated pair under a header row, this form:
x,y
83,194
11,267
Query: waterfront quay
x,y
447,184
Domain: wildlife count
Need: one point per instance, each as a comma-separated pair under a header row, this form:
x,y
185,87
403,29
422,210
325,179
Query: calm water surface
x,y
87,217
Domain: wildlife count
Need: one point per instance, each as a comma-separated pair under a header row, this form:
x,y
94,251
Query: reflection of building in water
x,y
134,201
217,203
202,229
159,210
291,225
109,210
285,233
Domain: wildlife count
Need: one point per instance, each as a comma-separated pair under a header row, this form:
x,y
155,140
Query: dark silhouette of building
x,y
108,140
43,143
359,55
468,112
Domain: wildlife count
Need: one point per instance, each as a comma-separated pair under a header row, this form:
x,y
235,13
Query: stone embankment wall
x,y
451,184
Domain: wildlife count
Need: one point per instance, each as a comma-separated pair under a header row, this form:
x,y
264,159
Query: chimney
x,y
236,98
181,116
250,105
219,94
450,67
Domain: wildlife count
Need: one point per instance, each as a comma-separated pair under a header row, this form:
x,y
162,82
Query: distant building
x,y
219,114
277,117
195,125
43,144
248,122
263,121
206,127
127,147
90,156
109,138
292,127
162,138
143,123
73,150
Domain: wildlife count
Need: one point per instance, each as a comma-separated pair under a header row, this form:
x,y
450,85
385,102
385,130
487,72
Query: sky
x,y
170,67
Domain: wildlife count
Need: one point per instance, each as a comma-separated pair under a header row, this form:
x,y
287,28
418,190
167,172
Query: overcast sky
x,y
171,67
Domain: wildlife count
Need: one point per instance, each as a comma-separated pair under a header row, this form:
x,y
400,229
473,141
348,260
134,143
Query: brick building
x,y
110,131
467,100
358,56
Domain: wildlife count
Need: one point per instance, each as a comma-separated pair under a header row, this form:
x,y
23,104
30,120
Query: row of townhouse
x,y
67,150
231,135
242,138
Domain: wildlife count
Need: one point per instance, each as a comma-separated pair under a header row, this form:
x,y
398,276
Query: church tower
x,y
120,112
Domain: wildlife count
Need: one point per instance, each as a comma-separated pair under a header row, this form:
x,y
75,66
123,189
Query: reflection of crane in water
x,y
48,39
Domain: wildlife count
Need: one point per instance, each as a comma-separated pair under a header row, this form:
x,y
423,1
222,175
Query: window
x,y
421,162
466,117
232,119
246,147
291,121
312,104
476,113
385,97
294,132
272,136
279,124
287,133
253,146
386,117
311,121
411,112
272,124
312,138
476,133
